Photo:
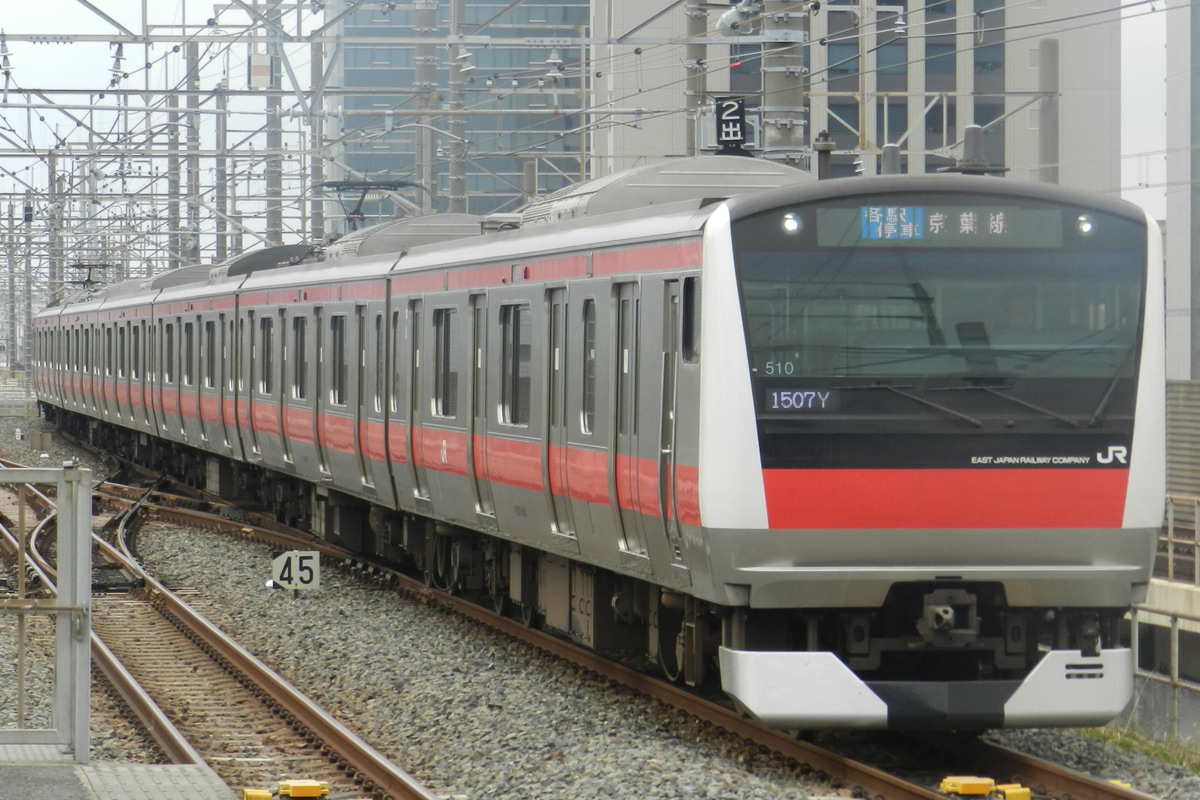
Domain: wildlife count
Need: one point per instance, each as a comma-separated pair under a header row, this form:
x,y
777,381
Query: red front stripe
x,y
945,498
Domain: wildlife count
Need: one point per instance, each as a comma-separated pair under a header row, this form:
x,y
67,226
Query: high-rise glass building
x,y
485,102
464,106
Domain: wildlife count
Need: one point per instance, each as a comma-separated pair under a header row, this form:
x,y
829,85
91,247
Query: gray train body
x,y
794,437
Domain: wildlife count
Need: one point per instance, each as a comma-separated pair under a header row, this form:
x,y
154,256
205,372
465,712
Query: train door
x,y
374,429
285,396
171,404
479,468
299,400
415,458
365,396
624,467
224,389
109,382
666,420
232,394
252,390
123,391
554,458
139,367
191,403
319,399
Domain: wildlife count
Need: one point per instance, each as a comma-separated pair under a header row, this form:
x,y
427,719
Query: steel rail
x,y
370,766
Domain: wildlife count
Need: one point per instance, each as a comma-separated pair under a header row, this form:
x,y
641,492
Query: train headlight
x,y
1085,225
792,224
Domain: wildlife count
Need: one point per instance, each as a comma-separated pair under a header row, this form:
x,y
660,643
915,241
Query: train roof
x,y
711,178
404,234
941,182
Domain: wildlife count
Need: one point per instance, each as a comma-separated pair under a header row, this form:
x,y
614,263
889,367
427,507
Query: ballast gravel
x,y
473,714
467,711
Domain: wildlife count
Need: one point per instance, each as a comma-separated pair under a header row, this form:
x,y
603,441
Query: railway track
x,y
201,695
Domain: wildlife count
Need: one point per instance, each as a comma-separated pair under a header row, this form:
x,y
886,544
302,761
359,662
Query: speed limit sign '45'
x,y
297,569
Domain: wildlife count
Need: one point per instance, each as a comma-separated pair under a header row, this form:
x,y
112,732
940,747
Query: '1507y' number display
x,y
799,400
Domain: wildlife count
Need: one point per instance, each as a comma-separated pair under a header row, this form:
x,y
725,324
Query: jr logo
x,y
1114,452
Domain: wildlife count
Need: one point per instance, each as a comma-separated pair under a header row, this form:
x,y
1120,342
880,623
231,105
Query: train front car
x,y
932,469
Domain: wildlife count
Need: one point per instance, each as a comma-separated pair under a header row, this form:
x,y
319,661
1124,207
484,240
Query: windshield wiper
x,y
1098,414
921,400
992,390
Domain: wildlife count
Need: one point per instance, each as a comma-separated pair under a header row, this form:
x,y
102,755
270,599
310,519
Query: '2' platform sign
x,y
297,569
731,123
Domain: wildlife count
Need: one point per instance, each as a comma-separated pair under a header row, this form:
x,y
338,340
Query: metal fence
x,y
1165,704
50,643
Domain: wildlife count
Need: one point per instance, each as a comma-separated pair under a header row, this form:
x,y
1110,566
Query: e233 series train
x,y
877,452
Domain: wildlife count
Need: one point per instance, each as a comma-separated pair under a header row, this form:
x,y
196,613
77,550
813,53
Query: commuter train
x,y
880,452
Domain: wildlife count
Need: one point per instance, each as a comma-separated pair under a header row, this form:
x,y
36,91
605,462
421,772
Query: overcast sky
x,y
54,65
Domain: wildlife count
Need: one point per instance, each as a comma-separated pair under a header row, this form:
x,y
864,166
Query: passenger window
x,y
380,363
515,365
210,355
445,367
266,358
121,343
300,357
189,353
587,420
169,353
337,378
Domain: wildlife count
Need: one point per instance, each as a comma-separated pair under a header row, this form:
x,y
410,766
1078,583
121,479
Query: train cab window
x,y
691,320
189,353
209,355
445,366
266,355
587,417
516,364
337,344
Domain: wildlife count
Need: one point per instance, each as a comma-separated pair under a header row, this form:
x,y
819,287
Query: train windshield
x,y
933,293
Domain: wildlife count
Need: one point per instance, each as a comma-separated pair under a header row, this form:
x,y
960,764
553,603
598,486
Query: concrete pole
x,y
1048,139
695,56
274,169
221,176
174,224
890,163
316,123
426,83
191,239
10,346
783,81
458,125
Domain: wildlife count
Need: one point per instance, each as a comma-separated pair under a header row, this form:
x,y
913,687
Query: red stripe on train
x,y
946,498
